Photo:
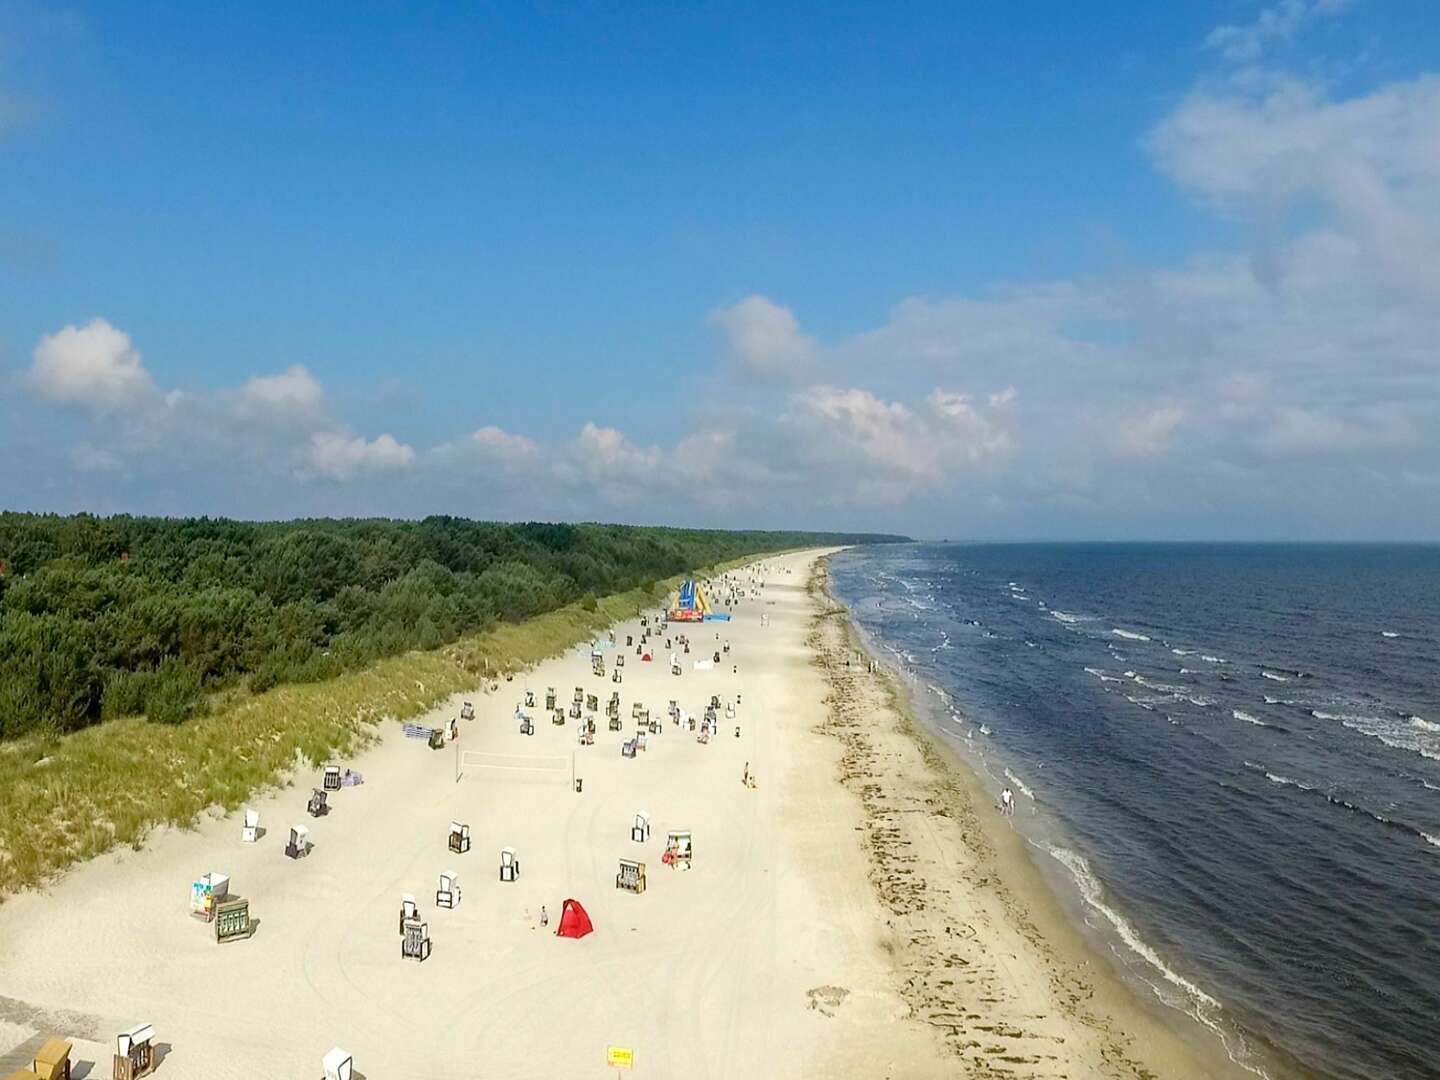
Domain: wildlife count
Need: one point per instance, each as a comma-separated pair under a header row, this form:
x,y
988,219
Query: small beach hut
x,y
459,838
338,1064
415,944
299,845
448,894
574,921
135,1052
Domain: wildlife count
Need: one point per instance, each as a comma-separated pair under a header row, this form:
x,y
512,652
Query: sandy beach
x,y
853,914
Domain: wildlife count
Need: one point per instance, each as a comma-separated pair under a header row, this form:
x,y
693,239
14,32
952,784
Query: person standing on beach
x,y
544,916
1007,802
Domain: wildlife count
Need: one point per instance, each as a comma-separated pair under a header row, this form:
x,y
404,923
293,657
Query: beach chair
x,y
135,1052
338,1064
448,894
575,709
529,699
415,941
467,711
641,740
614,724
550,699
250,831
509,865
408,910
437,739
299,845
459,841
51,1061
318,806
592,702
527,726
677,849
620,660
330,781
631,877
640,829
627,748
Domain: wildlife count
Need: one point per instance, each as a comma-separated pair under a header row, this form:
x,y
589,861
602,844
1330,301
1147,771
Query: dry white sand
x,y
709,973
796,947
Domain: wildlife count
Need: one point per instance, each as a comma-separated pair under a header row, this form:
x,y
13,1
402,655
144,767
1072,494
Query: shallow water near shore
x,y
1228,755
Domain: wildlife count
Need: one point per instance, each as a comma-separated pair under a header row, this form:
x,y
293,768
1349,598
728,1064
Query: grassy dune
x,y
66,799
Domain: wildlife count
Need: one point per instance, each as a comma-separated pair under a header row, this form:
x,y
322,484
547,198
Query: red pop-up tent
x,y
574,922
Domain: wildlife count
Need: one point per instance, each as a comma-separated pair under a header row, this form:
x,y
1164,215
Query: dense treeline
x,y
116,616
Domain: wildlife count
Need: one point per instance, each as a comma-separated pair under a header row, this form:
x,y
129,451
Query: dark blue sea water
x,y
1230,753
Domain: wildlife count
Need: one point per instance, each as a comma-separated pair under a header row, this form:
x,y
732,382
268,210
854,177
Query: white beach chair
x,y
251,827
338,1064
640,830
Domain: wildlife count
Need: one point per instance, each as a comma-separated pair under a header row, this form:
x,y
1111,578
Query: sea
x,y
1226,757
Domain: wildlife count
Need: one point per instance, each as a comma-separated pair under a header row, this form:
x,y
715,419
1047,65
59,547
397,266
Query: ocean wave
x,y
1019,784
1183,652
1129,635
1093,894
1102,676
1396,734
1276,678
1389,634
1066,617
1213,659
1239,714
1277,779
1423,724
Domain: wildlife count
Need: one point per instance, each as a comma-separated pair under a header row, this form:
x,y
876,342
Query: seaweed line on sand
x,y
925,844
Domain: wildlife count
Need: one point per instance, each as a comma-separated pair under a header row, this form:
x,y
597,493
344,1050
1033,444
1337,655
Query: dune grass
x,y
66,799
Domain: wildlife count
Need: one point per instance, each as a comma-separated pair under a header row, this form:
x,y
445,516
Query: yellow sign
x,y
620,1057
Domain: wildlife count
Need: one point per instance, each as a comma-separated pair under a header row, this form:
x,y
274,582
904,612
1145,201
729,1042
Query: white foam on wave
x,y
1430,786
1388,633
1240,715
1183,652
1213,659
1275,778
1431,839
1066,617
1102,676
1093,894
1396,734
1423,724
1019,784
1276,678
1128,635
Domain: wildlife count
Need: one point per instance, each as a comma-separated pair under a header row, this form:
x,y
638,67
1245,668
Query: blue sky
x,y
1049,270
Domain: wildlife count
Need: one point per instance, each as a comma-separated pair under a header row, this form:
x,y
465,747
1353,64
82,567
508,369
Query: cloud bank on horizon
x,y
1248,389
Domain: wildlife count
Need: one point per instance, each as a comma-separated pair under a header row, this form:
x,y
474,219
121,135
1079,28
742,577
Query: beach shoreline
x,y
1120,1034
817,936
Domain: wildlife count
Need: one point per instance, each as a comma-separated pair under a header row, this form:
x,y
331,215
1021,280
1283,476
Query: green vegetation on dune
x,y
119,617
67,798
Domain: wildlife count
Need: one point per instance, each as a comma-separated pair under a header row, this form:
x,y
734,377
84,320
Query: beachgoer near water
x,y
1007,802
544,916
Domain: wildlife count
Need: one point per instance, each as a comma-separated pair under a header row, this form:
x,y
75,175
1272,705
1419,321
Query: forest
x,y
119,616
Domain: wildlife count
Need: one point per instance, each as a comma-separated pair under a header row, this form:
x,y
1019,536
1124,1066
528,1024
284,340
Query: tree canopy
x,y
125,615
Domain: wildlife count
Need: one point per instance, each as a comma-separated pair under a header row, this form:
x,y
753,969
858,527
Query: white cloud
x,y
293,390
94,366
764,338
1147,433
1274,25
341,456
87,458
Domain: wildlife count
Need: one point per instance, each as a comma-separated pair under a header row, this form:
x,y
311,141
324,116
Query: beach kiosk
x,y
459,841
51,1061
135,1052
677,849
509,864
250,831
299,845
331,779
338,1064
640,830
415,941
448,894
408,910
631,877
